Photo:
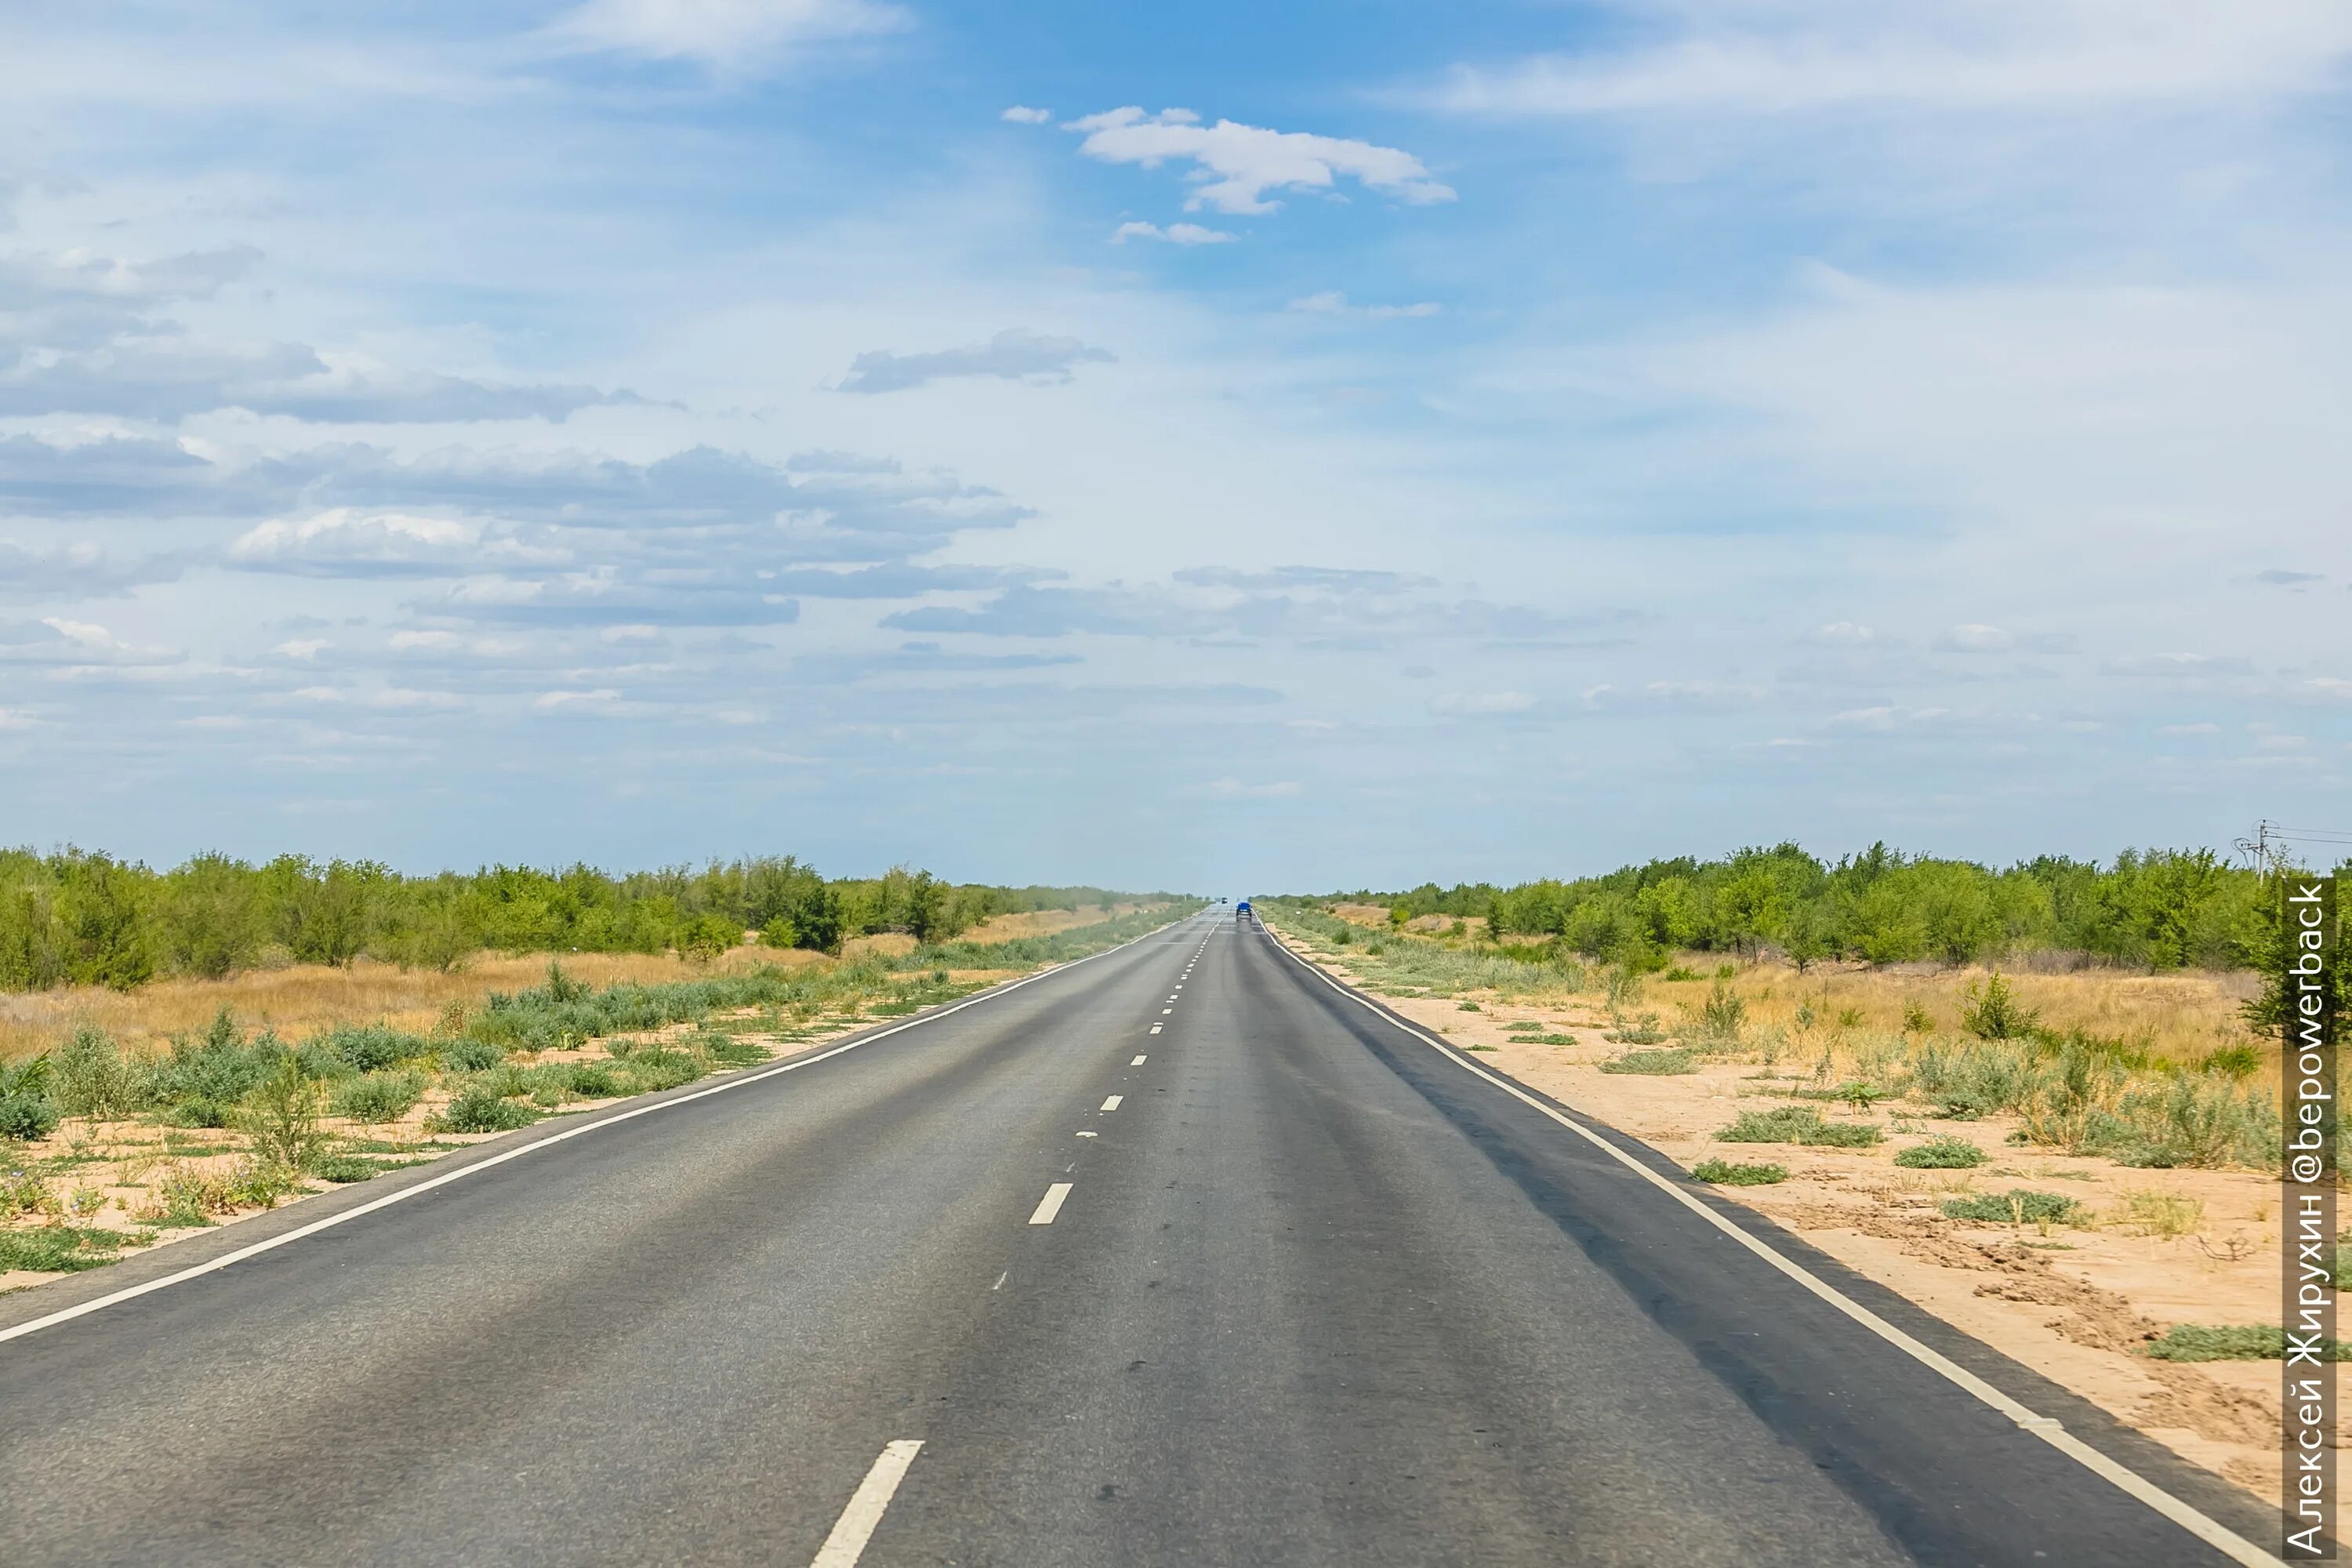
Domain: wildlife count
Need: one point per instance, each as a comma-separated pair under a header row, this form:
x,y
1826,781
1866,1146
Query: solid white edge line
x,y
2211,1532
96,1303
1051,1204
855,1528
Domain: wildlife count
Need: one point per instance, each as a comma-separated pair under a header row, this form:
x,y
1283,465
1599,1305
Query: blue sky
x,y
1220,447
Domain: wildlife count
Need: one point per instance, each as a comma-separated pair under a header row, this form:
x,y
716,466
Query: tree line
x,y
81,917
2151,909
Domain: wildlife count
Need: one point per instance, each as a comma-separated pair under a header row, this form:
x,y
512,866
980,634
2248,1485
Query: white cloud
x,y
1012,355
1483,702
344,541
1236,789
1886,718
1841,633
1969,55
1977,637
1331,302
554,701
1021,114
1236,165
1175,234
304,648
728,34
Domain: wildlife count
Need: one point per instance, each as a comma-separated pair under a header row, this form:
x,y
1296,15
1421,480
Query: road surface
x,y
1175,1255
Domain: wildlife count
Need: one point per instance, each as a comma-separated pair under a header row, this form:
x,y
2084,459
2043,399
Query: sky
x,y
1227,447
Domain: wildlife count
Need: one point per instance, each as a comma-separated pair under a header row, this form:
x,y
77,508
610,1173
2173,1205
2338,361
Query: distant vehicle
x,y
1242,908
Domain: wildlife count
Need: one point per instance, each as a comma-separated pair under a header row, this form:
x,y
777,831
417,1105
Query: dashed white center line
x,y
1050,1204
1135,1063
1155,1029
1165,1011
855,1528
1001,1280
1111,1103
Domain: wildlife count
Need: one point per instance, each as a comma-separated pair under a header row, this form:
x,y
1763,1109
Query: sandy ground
x,y
2076,1303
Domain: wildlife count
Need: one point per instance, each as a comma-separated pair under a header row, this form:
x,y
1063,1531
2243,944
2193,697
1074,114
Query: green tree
x,y
210,918
106,938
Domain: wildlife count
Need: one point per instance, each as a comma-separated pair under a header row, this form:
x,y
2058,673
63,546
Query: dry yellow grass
x,y
2180,1017
301,1000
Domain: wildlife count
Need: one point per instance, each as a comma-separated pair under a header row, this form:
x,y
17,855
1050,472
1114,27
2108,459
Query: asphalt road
x,y
1314,1294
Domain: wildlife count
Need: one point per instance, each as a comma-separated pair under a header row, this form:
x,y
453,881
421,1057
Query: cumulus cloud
x,y
37,278
1011,356
59,640
343,542
1021,114
82,342
1175,234
605,594
1236,165
727,34
166,376
79,571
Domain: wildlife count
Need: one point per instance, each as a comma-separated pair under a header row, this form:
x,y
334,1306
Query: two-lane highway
x,y
1176,1256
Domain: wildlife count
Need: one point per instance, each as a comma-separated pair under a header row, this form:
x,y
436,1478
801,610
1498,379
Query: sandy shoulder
x,y
2077,1304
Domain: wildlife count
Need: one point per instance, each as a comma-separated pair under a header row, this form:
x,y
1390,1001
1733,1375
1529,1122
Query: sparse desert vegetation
x,y
2071,1158
113,1141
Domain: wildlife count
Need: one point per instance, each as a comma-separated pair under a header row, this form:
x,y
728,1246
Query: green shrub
x,y
590,1081
1916,1019
58,1248
346,1168
27,1117
734,1053
2016,1206
1993,1012
88,1076
1942,1154
1723,1173
480,1110
2234,1061
652,1070
280,1115
199,1112
373,1048
471,1056
379,1097
2253,1342
1660,1062
1724,1013
1643,1033
1799,1124
23,1193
